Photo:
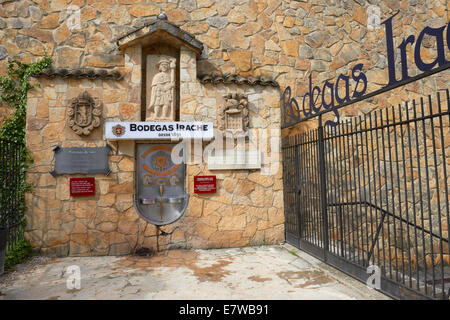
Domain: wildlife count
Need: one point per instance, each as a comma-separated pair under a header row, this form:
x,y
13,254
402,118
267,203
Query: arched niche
x,y
160,42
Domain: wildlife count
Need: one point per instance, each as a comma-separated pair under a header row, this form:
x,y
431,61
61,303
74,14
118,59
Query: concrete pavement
x,y
266,272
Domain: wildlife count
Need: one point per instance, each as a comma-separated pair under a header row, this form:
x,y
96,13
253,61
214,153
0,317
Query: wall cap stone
x,y
237,79
153,31
90,73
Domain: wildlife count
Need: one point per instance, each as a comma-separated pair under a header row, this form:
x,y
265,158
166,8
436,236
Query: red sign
x,y
82,187
205,184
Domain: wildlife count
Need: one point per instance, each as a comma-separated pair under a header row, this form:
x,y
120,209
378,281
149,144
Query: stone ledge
x,y
90,73
152,30
237,79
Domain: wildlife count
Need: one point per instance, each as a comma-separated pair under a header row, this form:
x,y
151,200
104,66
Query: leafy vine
x,y
14,88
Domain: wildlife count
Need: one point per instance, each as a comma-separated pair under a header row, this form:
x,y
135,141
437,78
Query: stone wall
x,y
106,223
285,40
5,112
247,208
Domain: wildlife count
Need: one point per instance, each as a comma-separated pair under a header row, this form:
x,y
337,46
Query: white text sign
x,y
158,130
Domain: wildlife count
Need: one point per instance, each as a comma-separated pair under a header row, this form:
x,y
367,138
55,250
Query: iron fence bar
x,y
323,188
316,193
413,197
350,188
9,198
386,192
428,191
369,184
399,195
342,185
437,194
340,195
290,224
379,181
444,159
392,193
309,186
406,195
362,175
404,122
304,188
359,164
307,211
295,229
420,192
337,194
328,176
389,286
310,181
353,193
350,183
380,225
297,212
386,212
349,193
298,187
10,173
316,180
16,198
285,170
345,194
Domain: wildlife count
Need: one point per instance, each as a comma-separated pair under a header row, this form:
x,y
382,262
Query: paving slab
x,y
262,273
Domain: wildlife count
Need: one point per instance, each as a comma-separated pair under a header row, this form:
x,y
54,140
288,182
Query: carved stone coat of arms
x,y
234,115
84,113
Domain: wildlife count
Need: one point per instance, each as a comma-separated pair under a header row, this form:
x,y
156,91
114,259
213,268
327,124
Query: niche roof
x,y
160,30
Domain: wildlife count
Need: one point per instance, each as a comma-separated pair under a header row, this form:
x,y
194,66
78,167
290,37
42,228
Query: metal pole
x,y
323,188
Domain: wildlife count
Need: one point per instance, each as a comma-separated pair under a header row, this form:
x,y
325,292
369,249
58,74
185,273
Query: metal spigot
x,y
161,190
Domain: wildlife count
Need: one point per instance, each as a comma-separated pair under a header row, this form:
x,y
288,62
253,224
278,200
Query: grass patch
x,y
294,253
21,253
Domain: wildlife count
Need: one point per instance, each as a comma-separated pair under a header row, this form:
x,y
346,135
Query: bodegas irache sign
x,y
315,99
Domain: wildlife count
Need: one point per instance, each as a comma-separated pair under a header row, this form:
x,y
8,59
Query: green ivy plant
x,y
14,88
21,252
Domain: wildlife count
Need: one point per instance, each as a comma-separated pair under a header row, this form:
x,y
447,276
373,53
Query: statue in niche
x,y
84,114
162,95
233,115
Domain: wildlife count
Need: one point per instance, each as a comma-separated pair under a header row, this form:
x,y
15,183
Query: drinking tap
x,y
161,190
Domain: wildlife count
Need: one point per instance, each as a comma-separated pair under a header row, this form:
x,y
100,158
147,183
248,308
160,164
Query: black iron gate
x,y
374,190
11,196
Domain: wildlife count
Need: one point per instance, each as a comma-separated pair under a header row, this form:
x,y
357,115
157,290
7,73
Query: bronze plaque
x,y
81,160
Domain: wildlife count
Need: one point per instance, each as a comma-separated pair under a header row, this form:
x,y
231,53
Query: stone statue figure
x,y
162,96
